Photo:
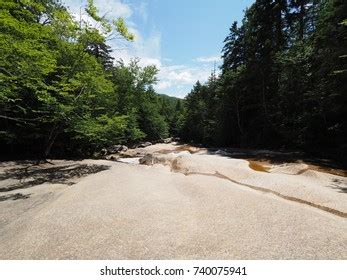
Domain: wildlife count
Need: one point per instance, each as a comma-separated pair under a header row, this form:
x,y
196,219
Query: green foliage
x,y
121,28
92,11
282,84
152,123
59,88
283,81
101,131
199,118
171,108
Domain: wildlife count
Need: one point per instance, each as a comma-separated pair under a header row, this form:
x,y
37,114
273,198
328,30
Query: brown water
x,y
258,167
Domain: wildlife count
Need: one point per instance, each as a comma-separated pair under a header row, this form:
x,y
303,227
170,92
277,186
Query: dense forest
x,y
282,81
62,93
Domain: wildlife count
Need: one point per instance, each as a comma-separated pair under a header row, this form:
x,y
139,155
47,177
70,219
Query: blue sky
x,y
183,38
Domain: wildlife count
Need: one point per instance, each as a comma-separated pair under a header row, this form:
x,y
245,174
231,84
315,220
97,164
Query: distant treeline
x,y
62,94
282,82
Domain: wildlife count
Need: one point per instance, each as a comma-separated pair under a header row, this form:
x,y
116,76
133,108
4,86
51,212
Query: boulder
x,y
113,149
103,152
112,157
116,149
144,145
132,153
147,160
167,140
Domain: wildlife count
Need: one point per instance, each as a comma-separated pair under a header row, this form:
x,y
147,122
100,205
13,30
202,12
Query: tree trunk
x,y
302,20
51,139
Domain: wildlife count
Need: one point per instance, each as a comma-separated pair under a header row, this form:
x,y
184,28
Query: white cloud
x,y
179,94
118,9
206,59
145,61
142,10
162,85
182,74
178,80
147,49
175,80
150,46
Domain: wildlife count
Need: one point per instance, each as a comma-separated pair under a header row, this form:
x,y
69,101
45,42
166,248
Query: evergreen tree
x,y
283,81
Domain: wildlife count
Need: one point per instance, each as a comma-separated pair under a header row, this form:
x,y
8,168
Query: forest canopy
x,y
61,92
282,81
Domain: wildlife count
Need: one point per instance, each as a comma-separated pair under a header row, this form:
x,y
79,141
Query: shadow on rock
x,y
36,175
281,157
15,196
338,185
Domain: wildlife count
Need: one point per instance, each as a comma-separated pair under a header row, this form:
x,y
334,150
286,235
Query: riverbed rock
x,y
116,149
103,152
112,157
113,149
144,145
132,153
151,159
167,140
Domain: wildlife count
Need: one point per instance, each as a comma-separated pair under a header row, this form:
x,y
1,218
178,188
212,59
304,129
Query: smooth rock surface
x,y
175,208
